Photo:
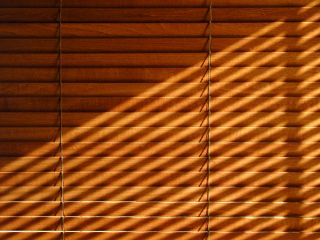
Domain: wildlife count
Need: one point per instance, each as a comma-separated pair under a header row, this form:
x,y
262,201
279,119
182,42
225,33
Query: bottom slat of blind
x,y
159,235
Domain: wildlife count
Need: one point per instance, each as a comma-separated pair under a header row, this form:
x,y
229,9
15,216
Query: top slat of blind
x,y
162,15
157,3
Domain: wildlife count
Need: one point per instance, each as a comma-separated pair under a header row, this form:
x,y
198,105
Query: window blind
x,y
107,130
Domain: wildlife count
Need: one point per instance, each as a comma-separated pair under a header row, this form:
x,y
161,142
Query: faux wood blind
x,y
107,129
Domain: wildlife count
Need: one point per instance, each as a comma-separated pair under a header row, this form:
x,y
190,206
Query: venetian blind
x,y
107,130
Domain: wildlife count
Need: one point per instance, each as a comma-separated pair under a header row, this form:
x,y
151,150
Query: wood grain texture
x,y
154,3
85,30
98,15
98,45
135,120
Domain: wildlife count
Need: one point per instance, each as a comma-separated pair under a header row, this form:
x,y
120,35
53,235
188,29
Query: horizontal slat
x,y
190,209
291,164
50,235
99,60
193,224
99,3
30,208
162,149
158,235
86,30
23,193
135,14
30,223
72,164
153,149
163,134
222,59
163,178
105,89
237,89
135,75
257,74
163,209
160,119
109,119
106,134
158,14
241,164
224,75
159,44
104,14
8,15
134,193
103,104
154,104
154,3
217,193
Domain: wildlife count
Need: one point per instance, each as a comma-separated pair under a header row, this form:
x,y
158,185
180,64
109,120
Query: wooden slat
x,y
193,236
236,89
135,15
99,60
35,15
72,164
309,179
33,164
30,235
198,194
104,15
154,104
163,178
30,223
162,134
112,75
156,75
282,3
83,163
268,164
278,28
188,209
105,89
159,44
289,14
110,119
35,179
162,59
99,3
16,149
156,3
192,224
105,134
16,30
160,119
30,209
157,236
103,104
264,194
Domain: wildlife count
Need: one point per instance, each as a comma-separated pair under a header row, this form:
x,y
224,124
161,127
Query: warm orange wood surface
x,y
135,120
